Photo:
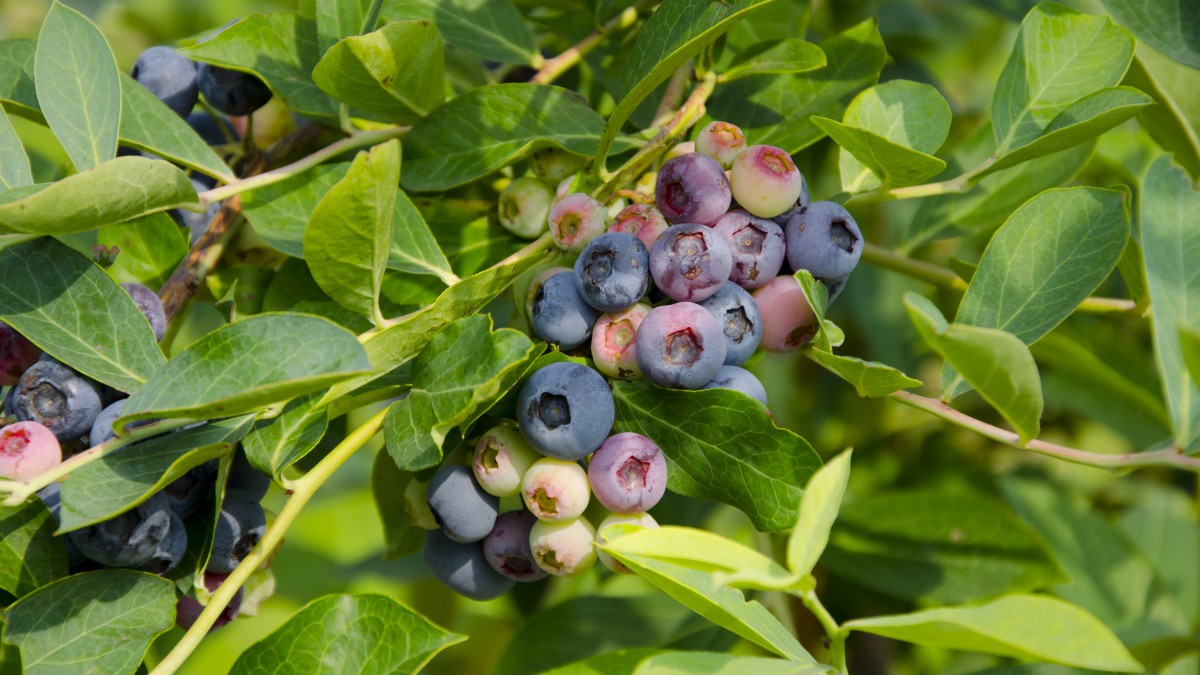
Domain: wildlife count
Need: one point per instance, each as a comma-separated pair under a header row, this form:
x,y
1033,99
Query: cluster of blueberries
x,y
58,412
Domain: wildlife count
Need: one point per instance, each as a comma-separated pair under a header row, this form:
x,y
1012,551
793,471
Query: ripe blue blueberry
x,y
170,76
563,548
231,91
170,552
240,526
690,262
16,355
507,547
196,221
628,473
463,510
463,567
740,320
152,308
502,456
243,476
692,188
613,272
186,493
680,346
565,410
51,496
214,130
58,398
824,239
739,379
555,489
560,315
127,540
757,247
102,428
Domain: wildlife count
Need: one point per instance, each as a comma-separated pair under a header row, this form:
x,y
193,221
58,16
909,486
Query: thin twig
x,y
560,64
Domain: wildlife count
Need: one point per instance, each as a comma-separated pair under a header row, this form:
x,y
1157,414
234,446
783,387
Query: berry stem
x,y
560,64
837,635
304,488
372,17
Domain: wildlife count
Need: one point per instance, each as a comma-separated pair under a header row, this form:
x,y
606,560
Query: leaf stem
x,y
304,488
837,635
1170,457
372,17
560,64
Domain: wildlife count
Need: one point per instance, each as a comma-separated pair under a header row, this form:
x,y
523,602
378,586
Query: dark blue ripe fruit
x,y
736,312
196,221
232,91
613,271
507,547
170,552
241,524
51,496
461,508
58,398
186,493
243,476
690,262
463,567
128,540
214,131
170,76
151,307
565,410
757,247
824,239
739,379
680,346
560,315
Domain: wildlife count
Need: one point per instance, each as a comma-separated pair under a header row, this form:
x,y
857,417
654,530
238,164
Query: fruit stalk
x,y
567,60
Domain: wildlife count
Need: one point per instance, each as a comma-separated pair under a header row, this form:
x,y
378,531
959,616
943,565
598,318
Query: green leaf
x,y
14,163
17,89
349,232
393,74
818,509
1060,56
78,87
619,662
337,19
93,622
1021,626
1167,25
794,55
280,212
702,550
945,548
274,445
894,164
1162,525
118,190
413,248
710,435
677,31
870,378
151,248
1082,121
392,489
247,365
710,662
461,372
776,110
348,633
118,482
1189,344
993,361
148,124
70,308
491,29
724,606
1175,121
1170,243
281,49
507,122
30,555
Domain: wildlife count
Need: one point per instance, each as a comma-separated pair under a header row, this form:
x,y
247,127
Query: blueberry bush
x,y
522,336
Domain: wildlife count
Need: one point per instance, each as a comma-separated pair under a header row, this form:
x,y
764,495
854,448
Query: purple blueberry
x,y
690,262
641,220
128,540
563,548
501,458
26,450
644,520
692,188
614,339
560,315
170,551
757,246
576,220
152,308
628,473
788,319
232,92
188,609
739,379
765,181
461,507
824,239
524,207
507,547
722,141
463,567
555,489
170,76
17,354
240,526
680,346
736,312
613,272
58,398
565,410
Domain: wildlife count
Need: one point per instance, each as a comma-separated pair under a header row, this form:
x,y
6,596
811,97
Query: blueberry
x,y
692,188
824,239
535,284
765,181
231,91
563,548
641,220
614,343
757,246
188,609
17,354
170,552
128,540
524,207
243,476
463,568
196,221
576,220
209,128
690,262
51,496
507,547
463,510
57,397
613,272
560,315
186,493
736,312
722,141
628,473
240,526
555,489
170,76
638,519
554,164
565,410
739,379
152,308
788,319
26,450
680,346
502,456
801,202
102,428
